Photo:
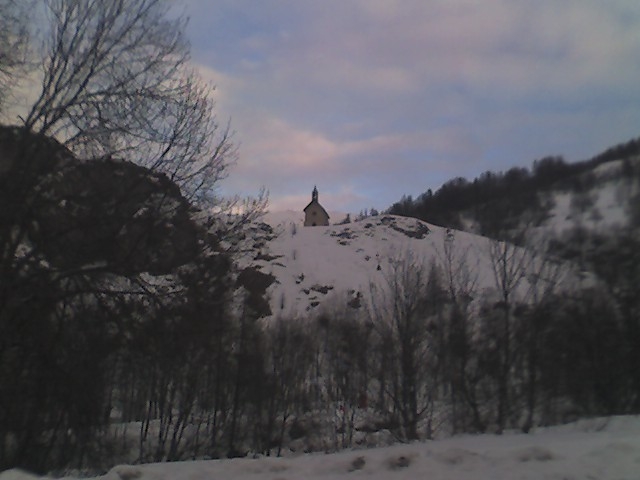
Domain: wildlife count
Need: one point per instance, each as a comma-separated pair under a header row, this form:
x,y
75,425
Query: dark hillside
x,y
498,201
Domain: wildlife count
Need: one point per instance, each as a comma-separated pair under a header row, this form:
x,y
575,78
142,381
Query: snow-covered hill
x,y
320,268
604,204
316,269
598,448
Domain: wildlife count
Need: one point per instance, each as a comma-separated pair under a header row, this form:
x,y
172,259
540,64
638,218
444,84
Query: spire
x,y
314,194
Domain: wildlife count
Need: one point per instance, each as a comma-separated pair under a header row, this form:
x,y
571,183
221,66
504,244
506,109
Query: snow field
x,y
603,449
320,268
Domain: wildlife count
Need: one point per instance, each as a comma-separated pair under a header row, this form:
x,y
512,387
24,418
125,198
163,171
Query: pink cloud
x,y
383,91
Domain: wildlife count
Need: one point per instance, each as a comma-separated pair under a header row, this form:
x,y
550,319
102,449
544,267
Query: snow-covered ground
x,y
319,268
604,206
602,449
605,210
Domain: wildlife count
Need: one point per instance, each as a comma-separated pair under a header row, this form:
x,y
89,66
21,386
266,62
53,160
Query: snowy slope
x,y
600,449
603,206
324,268
320,268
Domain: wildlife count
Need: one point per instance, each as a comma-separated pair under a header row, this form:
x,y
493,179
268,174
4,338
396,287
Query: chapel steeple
x,y
314,213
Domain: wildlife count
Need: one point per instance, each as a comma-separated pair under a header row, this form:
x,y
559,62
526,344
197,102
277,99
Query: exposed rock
x,y
255,281
357,463
256,284
324,289
354,303
421,229
266,257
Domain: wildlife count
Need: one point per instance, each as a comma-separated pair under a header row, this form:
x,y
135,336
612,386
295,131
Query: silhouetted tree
x,y
403,317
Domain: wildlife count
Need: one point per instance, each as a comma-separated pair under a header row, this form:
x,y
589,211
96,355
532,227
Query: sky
x,y
374,99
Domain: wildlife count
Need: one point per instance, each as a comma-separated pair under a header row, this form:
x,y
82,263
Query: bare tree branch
x,y
115,81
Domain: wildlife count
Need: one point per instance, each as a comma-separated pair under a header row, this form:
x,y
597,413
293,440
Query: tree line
x,y
497,201
141,370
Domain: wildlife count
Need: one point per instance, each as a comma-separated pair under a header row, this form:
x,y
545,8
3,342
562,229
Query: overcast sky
x,y
373,99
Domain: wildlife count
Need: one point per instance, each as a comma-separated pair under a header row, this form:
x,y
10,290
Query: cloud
x,y
333,200
288,160
390,97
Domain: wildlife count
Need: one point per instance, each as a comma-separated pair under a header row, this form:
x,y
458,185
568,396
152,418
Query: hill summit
x,y
320,269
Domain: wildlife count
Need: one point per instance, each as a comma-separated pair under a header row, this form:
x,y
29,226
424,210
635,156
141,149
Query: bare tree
x,y
347,354
288,362
460,276
544,274
402,314
14,41
509,265
114,80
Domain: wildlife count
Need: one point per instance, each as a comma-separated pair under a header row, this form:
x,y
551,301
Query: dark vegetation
x,y
142,341
88,316
595,328
559,355
501,201
129,334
